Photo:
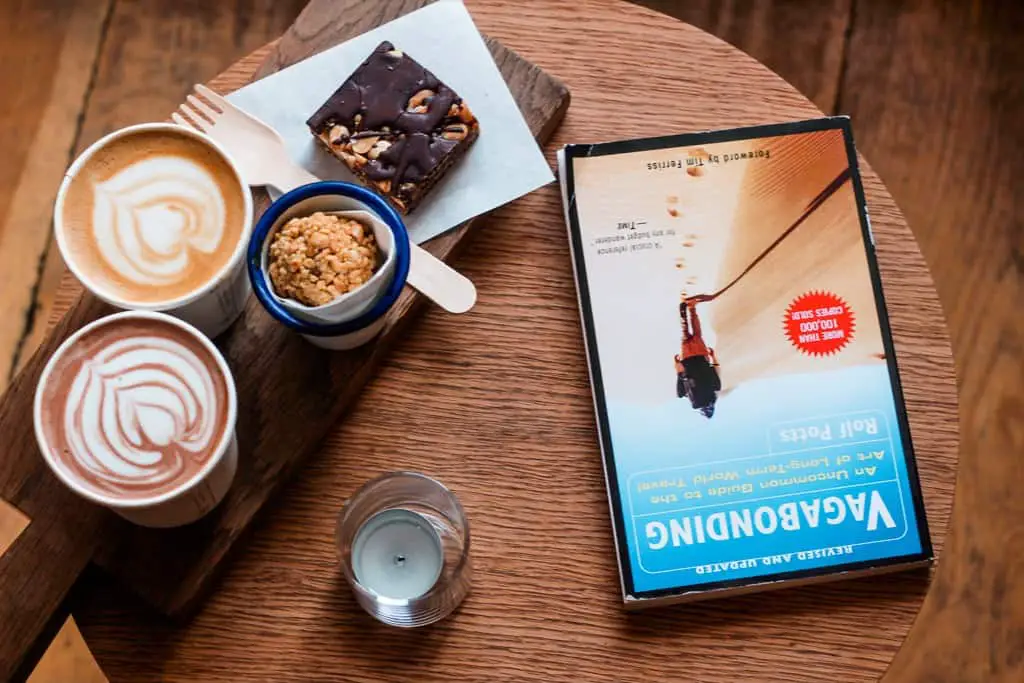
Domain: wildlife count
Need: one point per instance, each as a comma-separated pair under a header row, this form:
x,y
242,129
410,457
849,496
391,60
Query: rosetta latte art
x,y
150,216
139,413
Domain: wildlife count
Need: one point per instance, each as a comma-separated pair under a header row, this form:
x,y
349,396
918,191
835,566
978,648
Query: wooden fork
x,y
257,148
263,159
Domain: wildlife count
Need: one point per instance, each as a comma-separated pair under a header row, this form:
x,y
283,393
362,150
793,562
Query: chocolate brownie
x,y
396,126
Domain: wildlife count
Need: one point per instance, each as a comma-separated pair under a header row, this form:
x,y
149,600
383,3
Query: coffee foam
x,y
152,216
134,408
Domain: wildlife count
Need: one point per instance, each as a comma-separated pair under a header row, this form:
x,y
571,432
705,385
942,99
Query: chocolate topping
x,y
395,99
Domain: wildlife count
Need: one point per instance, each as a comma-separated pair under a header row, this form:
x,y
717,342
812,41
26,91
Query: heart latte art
x,y
135,409
152,216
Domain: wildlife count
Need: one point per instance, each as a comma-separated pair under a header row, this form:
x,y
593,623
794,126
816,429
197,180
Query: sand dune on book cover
x,y
750,227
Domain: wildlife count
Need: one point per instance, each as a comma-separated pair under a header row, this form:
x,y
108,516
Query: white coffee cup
x,y
181,503
213,306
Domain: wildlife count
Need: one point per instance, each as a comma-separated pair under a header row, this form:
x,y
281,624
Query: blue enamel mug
x,y
349,325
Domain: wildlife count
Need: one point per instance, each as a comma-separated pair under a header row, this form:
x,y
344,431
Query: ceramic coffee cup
x,y
356,318
157,217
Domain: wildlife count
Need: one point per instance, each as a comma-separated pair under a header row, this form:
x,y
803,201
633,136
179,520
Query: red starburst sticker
x,y
819,323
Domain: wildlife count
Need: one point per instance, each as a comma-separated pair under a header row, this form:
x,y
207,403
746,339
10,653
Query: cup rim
x,y
170,304
261,287
222,447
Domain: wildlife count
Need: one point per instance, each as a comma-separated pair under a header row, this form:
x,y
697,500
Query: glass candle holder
x,y
404,544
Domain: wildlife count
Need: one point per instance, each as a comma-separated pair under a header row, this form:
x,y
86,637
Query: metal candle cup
x,y
397,553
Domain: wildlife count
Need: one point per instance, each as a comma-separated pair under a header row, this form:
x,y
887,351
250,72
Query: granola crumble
x,y
315,259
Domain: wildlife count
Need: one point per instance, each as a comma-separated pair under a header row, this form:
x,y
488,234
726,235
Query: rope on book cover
x,y
829,190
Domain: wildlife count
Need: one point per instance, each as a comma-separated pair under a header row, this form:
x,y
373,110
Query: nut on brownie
x,y
396,126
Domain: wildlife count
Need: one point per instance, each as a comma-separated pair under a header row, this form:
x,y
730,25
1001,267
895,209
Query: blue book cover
x,y
746,389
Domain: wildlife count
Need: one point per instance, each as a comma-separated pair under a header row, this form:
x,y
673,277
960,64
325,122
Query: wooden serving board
x,y
290,395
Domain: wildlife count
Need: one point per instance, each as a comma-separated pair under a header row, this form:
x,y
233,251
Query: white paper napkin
x,y
503,164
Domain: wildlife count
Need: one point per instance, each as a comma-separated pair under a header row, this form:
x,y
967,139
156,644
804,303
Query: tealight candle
x,y
397,554
404,544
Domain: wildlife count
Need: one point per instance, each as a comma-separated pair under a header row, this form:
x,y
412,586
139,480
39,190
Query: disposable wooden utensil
x,y
261,154
257,148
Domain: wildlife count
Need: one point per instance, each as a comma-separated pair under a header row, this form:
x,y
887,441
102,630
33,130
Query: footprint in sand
x,y
691,236
673,212
672,199
691,280
687,244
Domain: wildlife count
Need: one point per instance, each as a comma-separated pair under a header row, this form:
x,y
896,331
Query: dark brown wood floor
x,y
935,91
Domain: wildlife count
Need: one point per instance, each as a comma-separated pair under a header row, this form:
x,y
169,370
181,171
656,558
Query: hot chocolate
x,y
151,216
133,407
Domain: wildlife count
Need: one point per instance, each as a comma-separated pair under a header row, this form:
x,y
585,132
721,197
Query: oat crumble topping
x,y
315,259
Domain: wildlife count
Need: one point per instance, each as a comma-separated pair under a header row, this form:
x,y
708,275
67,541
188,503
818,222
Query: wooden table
x,y
498,406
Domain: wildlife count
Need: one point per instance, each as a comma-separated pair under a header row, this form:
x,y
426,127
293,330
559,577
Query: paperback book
x,y
747,394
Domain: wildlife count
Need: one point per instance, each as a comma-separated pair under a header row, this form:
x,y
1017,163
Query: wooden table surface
x,y
497,405
938,124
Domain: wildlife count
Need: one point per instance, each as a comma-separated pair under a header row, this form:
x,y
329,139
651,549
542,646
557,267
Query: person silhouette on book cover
x,y
696,365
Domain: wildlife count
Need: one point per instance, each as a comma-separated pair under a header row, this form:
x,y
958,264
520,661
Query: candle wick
x,y
399,559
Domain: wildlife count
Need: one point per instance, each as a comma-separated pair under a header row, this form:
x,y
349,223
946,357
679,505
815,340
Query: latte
x,y
134,406
151,216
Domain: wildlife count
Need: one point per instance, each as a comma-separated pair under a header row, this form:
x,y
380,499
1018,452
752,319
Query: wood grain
x,y
801,41
47,55
72,72
153,52
67,660
44,561
497,405
289,396
12,522
946,135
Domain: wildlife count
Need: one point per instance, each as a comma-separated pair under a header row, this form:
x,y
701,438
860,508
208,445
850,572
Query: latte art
x,y
150,217
134,406
140,413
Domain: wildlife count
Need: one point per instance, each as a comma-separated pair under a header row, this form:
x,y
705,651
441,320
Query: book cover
x,y
747,394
